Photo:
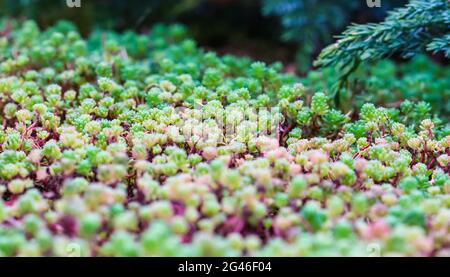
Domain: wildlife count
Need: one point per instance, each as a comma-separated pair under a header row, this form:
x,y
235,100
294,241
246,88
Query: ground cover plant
x,y
388,83
146,145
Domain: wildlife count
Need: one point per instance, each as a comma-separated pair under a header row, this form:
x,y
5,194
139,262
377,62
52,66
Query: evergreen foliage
x,y
421,25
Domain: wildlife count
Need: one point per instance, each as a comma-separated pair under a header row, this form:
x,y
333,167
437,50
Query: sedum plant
x,y
147,145
389,83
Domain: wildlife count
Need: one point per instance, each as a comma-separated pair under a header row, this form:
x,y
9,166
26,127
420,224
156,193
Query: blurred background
x,y
291,31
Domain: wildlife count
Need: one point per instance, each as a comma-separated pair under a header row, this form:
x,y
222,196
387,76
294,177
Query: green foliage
x,y
419,26
441,44
312,23
126,144
388,83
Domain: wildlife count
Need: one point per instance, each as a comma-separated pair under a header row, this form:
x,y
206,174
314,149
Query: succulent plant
x,y
147,145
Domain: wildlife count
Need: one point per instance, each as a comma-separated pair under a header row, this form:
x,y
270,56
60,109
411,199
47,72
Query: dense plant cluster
x,y
388,83
307,25
142,145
